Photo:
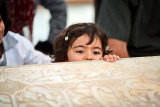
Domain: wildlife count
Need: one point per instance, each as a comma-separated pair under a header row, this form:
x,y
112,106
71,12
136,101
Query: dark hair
x,y
74,31
4,13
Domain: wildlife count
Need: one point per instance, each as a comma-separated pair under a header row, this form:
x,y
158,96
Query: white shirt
x,y
20,51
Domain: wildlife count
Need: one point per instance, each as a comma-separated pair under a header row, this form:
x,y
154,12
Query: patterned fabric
x,y
22,12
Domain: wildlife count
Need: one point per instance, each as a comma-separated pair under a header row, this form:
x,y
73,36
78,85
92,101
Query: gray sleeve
x,y
58,19
115,19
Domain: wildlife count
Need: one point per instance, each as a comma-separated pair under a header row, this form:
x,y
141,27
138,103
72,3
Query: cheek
x,y
2,26
98,57
68,55
72,56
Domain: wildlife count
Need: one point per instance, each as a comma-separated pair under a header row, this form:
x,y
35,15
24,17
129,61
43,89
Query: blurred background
x,y
77,11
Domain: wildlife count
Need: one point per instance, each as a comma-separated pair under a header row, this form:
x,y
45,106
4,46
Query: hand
x,y
118,47
111,58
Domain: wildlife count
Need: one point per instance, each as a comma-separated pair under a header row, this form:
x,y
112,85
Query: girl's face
x,y
79,51
2,28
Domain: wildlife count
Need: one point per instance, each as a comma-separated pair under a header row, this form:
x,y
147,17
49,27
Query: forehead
x,y
84,39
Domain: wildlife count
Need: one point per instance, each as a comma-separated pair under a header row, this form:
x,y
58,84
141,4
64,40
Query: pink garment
x,y
22,14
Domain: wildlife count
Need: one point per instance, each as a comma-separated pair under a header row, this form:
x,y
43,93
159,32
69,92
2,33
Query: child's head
x,y
5,17
83,41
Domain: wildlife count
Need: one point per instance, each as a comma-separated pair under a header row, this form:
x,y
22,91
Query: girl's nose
x,y
89,56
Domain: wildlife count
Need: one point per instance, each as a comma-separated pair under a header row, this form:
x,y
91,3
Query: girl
x,y
83,41
14,48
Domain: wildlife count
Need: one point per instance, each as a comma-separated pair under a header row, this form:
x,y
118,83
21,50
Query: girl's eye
x,y
95,52
79,51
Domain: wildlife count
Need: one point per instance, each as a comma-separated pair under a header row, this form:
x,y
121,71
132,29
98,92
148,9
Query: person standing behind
x,y
23,11
133,26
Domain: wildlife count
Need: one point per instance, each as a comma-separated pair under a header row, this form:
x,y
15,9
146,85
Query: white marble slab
x,y
132,82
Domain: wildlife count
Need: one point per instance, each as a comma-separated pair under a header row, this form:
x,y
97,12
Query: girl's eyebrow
x,y
97,48
79,46
82,46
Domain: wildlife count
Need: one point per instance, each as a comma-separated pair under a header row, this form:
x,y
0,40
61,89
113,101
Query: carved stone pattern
x,y
129,82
